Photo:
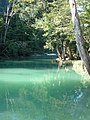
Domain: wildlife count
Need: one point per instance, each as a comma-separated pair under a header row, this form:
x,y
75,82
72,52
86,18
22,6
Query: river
x,y
36,90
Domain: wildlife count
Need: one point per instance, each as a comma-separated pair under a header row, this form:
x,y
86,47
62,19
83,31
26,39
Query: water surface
x,y
37,90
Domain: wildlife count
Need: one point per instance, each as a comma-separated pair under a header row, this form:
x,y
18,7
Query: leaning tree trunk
x,y
78,34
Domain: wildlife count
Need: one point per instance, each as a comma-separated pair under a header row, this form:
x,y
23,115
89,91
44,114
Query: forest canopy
x,y
35,26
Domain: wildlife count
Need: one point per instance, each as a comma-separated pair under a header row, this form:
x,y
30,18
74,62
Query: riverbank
x,y
79,67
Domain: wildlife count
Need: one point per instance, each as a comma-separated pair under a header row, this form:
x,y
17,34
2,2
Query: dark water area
x,y
37,90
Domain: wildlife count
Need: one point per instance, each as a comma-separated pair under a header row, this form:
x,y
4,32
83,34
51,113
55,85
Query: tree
x,y
20,37
8,16
79,37
55,22
13,7
85,21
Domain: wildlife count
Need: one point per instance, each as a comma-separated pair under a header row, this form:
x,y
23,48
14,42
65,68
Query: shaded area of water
x,y
36,90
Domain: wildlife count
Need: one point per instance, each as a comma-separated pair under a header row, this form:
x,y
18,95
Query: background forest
x,y
30,27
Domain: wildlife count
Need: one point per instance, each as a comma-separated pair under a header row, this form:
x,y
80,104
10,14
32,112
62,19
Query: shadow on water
x,y
41,92
32,64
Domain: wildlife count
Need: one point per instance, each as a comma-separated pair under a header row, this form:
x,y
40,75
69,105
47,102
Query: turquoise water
x,y
37,90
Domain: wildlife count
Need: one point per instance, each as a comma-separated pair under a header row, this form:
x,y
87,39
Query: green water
x,y
37,90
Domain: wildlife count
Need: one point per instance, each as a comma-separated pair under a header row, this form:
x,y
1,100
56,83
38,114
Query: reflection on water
x,y
30,93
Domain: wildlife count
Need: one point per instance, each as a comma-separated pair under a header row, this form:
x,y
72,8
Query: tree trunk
x,y
78,34
9,15
60,59
70,53
5,33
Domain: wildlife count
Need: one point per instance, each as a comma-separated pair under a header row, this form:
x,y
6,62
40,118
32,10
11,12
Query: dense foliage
x,y
32,26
